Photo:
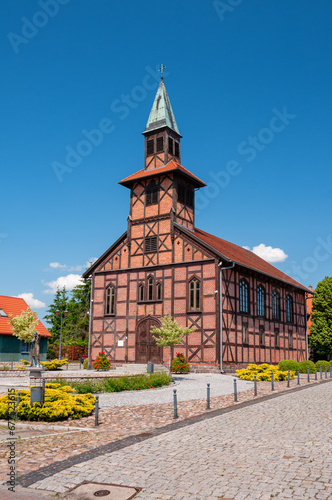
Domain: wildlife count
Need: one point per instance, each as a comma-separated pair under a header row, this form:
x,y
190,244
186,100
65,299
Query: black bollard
x,y
255,385
298,377
175,402
308,374
272,381
97,411
208,397
288,378
235,391
325,371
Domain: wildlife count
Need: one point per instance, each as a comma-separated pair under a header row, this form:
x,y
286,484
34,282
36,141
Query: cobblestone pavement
x,y
277,448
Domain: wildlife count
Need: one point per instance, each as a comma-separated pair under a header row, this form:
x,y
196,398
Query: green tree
x,y
77,323
320,338
169,335
60,303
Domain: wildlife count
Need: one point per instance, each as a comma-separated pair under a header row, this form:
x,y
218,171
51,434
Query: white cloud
x,y
31,301
56,265
69,282
268,253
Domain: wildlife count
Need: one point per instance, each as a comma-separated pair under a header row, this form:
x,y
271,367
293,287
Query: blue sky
x,y
250,85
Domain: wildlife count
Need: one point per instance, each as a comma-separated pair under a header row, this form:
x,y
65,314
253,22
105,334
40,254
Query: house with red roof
x,y
243,309
11,348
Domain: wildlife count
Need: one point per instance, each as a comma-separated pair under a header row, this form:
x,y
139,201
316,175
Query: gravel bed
x,y
189,386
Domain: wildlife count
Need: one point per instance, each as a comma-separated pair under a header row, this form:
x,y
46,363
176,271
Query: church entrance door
x,y
146,348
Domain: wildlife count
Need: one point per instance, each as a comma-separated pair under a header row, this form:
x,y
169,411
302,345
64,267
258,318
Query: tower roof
x,y
161,114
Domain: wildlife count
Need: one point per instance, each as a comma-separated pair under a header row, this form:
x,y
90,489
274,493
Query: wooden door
x,y
146,347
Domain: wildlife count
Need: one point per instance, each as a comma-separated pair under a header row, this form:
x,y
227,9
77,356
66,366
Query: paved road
x,y
278,448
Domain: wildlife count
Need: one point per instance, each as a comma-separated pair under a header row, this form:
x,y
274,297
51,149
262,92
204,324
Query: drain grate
x,y
91,491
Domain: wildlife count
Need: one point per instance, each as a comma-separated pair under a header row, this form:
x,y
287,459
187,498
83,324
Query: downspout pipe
x,y
90,324
220,308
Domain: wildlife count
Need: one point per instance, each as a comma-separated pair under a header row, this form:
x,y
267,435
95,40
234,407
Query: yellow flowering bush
x,y
263,373
60,404
54,364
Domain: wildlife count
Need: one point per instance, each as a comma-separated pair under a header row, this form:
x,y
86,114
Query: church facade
x,y
243,309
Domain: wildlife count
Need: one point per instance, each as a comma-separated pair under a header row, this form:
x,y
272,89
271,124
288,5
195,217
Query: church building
x,y
243,309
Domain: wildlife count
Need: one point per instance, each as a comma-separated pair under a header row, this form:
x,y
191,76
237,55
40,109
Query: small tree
x,y
320,338
169,335
24,326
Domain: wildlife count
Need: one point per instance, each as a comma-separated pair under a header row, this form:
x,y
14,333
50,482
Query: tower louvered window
x,y
152,193
170,146
160,144
177,149
150,147
150,244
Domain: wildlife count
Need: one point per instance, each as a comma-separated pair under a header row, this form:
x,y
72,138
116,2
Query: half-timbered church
x,y
243,309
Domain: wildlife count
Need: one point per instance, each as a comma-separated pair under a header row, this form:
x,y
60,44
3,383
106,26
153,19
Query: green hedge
x,y
322,364
118,384
304,365
288,364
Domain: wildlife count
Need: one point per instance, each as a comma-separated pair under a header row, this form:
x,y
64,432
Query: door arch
x,y
146,348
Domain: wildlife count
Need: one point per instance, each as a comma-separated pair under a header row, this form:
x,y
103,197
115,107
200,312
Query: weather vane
x,y
161,69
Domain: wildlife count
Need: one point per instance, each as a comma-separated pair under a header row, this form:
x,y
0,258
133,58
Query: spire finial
x,y
161,69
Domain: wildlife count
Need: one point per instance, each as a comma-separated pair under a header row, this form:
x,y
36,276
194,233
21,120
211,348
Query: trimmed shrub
x,y
305,364
322,364
263,373
118,384
101,362
59,404
85,364
180,364
55,364
288,364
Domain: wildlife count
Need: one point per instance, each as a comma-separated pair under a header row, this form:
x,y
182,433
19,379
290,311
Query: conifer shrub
x,y
60,404
180,364
101,362
54,364
322,364
263,373
305,364
85,364
288,364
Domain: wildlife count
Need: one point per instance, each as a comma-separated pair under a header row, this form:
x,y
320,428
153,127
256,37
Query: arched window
x,y
150,288
244,296
260,301
194,295
152,191
110,300
158,291
276,305
289,309
141,293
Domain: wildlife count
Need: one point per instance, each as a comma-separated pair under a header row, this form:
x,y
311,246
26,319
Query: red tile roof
x,y
14,306
244,257
171,166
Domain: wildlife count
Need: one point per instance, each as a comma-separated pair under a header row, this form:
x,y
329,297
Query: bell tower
x,y
162,136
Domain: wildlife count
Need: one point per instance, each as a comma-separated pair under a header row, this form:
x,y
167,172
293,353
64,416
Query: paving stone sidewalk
x,y
277,448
